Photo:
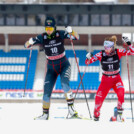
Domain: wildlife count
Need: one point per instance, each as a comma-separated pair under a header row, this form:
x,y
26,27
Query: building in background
x,y
93,21
71,1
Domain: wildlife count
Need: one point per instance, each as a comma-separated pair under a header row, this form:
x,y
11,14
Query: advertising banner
x,y
38,95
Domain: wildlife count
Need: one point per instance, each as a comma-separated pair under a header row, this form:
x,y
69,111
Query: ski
x,y
79,117
74,117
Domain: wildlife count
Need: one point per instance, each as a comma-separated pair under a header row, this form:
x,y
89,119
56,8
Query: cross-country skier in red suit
x,y
110,64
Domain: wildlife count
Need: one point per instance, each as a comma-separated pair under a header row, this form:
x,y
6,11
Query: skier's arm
x,y
33,41
90,59
124,52
129,48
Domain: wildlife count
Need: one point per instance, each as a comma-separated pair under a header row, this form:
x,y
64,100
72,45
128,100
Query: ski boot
x,y
96,118
72,112
44,116
117,115
96,115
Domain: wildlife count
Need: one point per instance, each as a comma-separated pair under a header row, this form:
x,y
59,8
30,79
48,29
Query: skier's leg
x,y
50,80
119,90
100,96
65,76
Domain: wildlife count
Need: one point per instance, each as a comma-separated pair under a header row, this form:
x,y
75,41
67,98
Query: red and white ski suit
x,y
111,77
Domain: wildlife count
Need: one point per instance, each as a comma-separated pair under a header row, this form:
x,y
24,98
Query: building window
x,y
20,20
73,19
83,21
116,19
95,21
133,20
1,19
31,20
10,20
126,20
61,20
40,19
105,20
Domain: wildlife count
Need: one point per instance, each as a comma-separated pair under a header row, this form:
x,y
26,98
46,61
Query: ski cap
x,y
50,22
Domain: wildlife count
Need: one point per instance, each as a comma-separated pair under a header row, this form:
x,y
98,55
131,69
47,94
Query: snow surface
x,y
17,118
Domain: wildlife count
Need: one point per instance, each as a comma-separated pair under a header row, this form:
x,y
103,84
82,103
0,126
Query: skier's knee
x,y
46,97
69,95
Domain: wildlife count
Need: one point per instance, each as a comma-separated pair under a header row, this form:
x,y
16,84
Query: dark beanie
x,y
50,22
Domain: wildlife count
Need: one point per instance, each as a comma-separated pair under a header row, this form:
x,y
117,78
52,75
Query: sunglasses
x,y
49,28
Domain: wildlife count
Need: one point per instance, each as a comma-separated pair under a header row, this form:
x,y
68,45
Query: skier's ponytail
x,y
114,39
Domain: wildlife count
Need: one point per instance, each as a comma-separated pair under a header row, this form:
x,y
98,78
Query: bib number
x,y
54,50
110,66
